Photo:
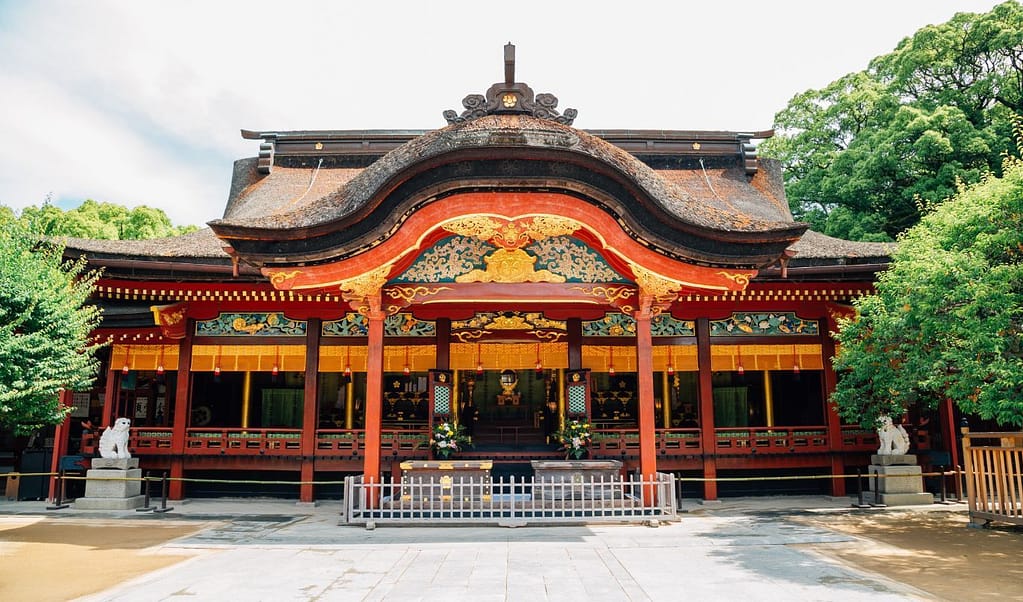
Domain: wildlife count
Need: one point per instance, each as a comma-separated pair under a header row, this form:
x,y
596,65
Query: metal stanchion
x,y
877,492
859,490
163,504
146,507
59,504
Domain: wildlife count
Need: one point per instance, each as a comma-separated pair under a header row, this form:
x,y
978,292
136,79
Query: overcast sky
x,y
141,102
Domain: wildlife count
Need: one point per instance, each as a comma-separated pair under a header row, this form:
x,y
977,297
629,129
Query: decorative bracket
x,y
363,291
656,292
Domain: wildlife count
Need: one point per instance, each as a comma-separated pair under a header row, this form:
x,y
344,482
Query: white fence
x,y
512,501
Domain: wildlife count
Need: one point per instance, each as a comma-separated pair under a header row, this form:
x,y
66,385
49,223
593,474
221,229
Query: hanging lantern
x,y
539,364
159,366
741,370
276,369
795,361
479,361
216,365
671,362
611,363
348,363
127,356
406,369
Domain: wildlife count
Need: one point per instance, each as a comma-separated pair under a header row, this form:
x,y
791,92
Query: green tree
x,y
947,319
866,154
107,221
45,328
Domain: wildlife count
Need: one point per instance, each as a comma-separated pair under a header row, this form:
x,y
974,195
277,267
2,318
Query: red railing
x,y
244,442
147,441
856,438
671,441
343,442
772,440
406,441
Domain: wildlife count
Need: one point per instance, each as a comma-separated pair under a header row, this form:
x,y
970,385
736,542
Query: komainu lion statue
x,y
894,439
113,443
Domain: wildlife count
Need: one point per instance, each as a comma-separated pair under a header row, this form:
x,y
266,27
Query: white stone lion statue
x,y
894,439
113,443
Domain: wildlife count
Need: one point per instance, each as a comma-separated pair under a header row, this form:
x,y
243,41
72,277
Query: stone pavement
x,y
275,550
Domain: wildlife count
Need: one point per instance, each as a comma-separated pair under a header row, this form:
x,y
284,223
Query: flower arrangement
x,y
574,438
448,439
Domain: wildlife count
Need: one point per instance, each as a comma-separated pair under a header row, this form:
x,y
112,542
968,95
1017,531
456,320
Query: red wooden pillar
x,y
645,375
310,417
60,443
443,344
109,398
374,388
834,421
575,343
182,411
708,438
946,416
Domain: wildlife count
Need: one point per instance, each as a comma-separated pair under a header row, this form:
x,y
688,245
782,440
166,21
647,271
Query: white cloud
x,y
136,102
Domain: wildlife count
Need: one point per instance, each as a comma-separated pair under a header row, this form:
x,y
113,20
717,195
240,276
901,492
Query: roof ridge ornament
x,y
511,97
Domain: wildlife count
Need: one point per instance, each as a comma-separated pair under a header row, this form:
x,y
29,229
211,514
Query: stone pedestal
x,y
113,484
900,484
577,479
444,480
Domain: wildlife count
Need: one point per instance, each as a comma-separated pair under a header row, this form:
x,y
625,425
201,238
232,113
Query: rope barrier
x,y
947,473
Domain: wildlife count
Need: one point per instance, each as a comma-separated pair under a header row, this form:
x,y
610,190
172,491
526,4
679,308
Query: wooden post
x,y
645,374
374,389
946,419
60,443
708,438
666,400
182,413
834,420
575,343
443,344
109,398
310,413
971,488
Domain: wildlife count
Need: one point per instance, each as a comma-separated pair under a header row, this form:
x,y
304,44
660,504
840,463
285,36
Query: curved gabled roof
x,y
712,214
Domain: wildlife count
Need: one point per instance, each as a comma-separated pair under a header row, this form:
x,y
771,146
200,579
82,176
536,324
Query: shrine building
x,y
507,272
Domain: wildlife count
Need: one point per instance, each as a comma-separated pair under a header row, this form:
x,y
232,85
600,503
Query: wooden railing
x,y
772,440
147,441
244,441
346,443
994,476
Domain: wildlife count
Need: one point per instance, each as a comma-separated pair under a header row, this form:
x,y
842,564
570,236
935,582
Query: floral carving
x,y
449,258
750,324
352,325
250,324
573,260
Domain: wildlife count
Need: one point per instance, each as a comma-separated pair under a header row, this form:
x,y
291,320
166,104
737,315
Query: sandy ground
x,y
48,558
933,551
60,559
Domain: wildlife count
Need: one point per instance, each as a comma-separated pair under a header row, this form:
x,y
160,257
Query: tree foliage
x,y
106,221
947,319
45,328
866,154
